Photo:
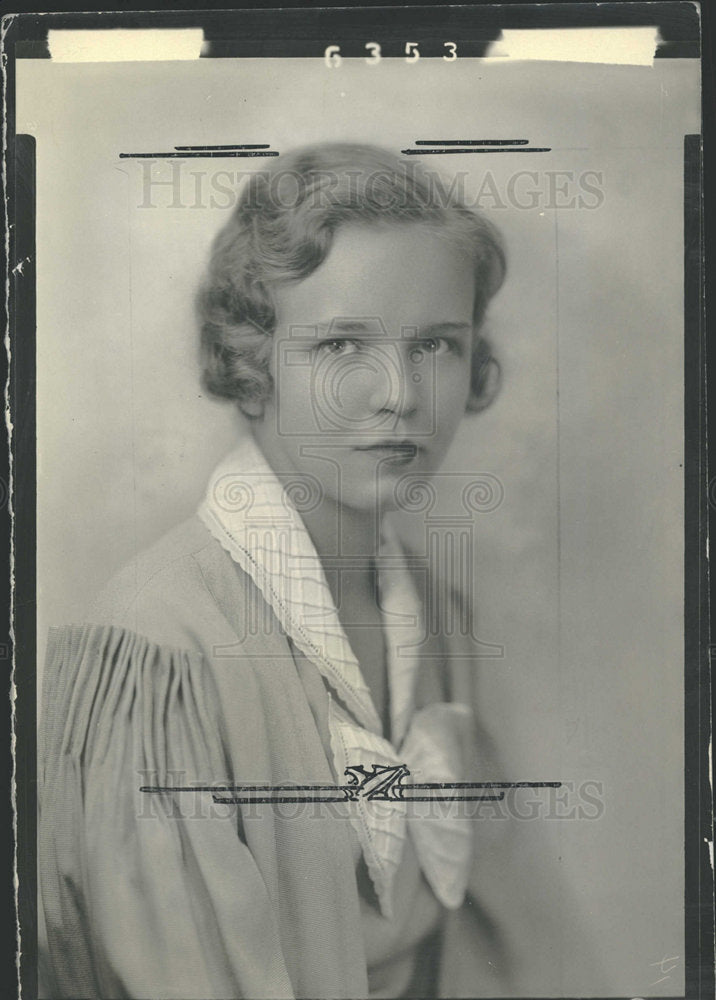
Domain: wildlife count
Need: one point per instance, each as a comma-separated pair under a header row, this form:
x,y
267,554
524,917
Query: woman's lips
x,y
397,452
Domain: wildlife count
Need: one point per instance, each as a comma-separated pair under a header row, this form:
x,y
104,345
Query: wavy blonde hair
x,y
282,229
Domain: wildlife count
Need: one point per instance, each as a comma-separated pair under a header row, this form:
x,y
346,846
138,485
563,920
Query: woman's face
x,y
371,364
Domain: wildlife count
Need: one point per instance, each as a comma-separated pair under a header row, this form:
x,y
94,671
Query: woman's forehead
x,y
407,272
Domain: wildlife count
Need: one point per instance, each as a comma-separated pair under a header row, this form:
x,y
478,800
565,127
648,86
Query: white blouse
x,y
253,517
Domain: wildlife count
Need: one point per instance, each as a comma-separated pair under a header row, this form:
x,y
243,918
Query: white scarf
x,y
252,515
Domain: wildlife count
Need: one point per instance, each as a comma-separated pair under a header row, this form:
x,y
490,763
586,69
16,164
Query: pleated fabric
x,y
145,895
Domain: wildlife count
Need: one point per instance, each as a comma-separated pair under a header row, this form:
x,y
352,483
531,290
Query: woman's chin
x,y
376,497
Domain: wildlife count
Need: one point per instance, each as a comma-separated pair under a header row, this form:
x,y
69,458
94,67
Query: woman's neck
x,y
343,536
340,532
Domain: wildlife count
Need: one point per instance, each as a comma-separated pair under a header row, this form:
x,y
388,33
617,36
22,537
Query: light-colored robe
x,y
169,896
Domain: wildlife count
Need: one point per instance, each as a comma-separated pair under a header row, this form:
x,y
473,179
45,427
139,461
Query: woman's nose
x,y
397,390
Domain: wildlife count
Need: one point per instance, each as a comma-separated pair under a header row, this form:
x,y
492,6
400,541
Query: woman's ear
x,y
491,381
486,378
252,408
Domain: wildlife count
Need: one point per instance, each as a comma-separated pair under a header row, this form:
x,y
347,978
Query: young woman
x,y
283,635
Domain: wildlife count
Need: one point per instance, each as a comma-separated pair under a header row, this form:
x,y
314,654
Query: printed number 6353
x,y
333,58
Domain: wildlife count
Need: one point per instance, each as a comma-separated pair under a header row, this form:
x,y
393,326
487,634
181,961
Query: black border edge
x,y
18,535
698,910
291,28
21,163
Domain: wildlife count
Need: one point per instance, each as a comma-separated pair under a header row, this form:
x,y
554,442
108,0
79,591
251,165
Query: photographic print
x,y
366,360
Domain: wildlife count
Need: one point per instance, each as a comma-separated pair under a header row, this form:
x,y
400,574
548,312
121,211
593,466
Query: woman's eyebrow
x,y
447,326
440,329
346,325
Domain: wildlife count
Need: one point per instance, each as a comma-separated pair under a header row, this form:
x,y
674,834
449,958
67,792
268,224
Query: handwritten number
x,y
411,52
374,50
332,56
333,59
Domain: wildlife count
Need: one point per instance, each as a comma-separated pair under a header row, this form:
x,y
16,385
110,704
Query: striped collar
x,y
255,518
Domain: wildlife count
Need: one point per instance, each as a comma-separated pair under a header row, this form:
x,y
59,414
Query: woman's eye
x,y
433,345
338,346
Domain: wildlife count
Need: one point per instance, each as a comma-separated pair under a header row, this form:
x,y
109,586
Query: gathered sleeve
x,y
145,895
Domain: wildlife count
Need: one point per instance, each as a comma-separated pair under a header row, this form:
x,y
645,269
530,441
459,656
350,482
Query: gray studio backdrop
x,y
579,568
